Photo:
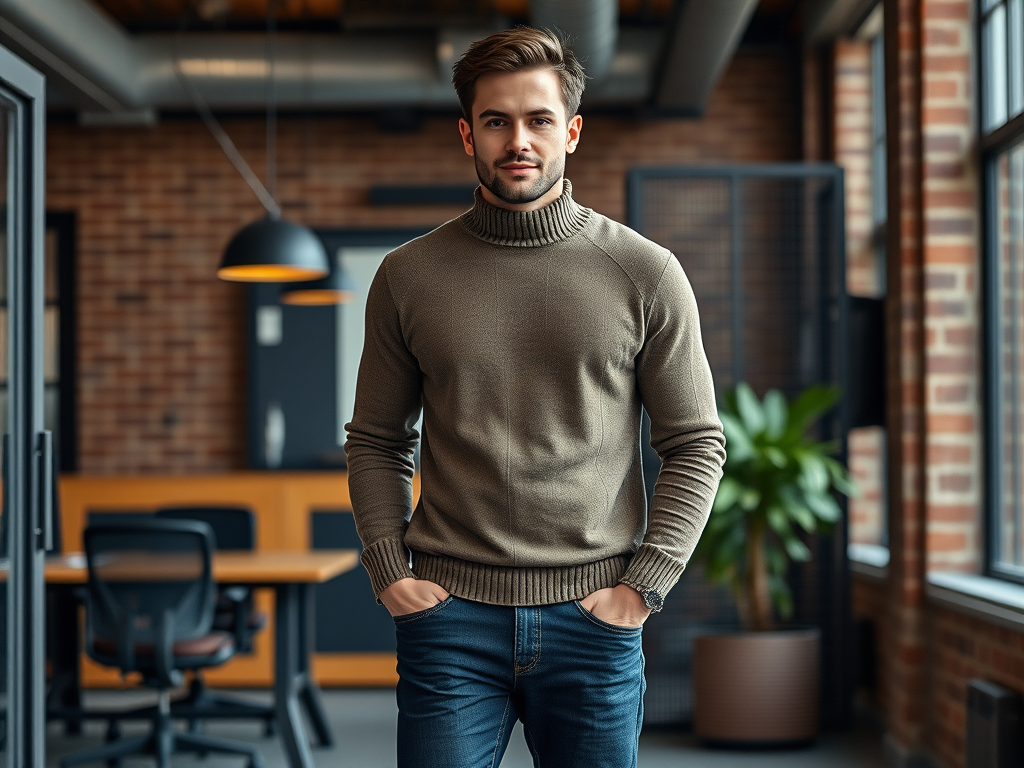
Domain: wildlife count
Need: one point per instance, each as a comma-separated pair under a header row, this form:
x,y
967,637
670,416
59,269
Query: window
x,y
1002,27
1002,123
861,99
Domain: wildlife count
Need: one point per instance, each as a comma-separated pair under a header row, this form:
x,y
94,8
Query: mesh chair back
x,y
146,574
233,527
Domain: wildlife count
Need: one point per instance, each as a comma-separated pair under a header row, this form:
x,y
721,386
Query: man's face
x,y
519,137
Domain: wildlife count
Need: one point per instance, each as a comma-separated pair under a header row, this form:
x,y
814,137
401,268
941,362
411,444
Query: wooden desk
x,y
285,504
292,576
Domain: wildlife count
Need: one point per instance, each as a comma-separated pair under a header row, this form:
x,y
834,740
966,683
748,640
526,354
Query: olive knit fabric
x,y
531,340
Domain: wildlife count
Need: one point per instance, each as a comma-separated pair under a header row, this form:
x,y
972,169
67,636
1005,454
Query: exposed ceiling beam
x,y
825,20
702,41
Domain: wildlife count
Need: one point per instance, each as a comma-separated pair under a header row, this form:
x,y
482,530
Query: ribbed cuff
x,y
651,568
387,561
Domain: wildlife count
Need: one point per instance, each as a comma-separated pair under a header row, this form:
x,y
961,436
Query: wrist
x,y
650,598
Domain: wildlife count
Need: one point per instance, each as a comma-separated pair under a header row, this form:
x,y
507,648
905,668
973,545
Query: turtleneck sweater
x,y
530,340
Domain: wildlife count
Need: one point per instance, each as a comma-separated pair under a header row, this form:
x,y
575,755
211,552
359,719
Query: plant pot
x,y
752,688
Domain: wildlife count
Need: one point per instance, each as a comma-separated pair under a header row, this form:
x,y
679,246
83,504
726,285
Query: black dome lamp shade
x,y
336,288
273,250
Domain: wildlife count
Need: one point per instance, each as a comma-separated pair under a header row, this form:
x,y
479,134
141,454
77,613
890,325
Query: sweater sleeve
x,y
382,439
675,384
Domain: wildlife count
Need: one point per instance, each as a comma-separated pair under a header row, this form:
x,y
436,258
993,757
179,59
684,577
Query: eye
x,y
494,122
542,121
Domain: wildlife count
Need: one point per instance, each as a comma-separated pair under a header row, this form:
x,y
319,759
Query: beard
x,y
519,193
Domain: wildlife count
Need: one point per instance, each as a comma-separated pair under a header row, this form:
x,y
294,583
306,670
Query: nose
x,y
519,140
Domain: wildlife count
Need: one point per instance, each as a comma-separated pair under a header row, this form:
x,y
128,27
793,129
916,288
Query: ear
x,y
467,136
573,135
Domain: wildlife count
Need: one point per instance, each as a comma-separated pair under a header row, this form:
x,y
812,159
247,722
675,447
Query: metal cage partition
x,y
764,248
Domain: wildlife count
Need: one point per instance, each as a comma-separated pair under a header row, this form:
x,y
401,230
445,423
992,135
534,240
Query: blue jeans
x,y
468,671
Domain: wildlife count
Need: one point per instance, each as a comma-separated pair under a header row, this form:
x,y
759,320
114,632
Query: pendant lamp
x,y
272,250
336,288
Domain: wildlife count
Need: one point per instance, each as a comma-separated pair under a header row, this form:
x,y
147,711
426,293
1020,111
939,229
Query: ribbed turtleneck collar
x,y
556,221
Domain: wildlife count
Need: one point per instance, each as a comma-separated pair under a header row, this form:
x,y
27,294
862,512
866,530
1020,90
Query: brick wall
x,y
903,676
961,648
161,342
952,281
928,652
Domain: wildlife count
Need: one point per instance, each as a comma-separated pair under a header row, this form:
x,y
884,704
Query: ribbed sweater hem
x,y
519,586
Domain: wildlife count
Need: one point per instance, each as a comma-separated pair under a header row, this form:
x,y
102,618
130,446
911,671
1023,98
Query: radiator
x,y
994,720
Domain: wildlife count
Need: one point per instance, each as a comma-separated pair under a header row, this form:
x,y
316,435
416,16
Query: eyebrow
x,y
531,113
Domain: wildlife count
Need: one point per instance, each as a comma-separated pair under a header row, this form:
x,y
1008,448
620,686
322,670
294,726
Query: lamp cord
x,y
220,135
271,102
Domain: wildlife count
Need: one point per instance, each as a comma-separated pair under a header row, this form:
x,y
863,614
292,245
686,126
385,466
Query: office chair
x,y
150,604
234,528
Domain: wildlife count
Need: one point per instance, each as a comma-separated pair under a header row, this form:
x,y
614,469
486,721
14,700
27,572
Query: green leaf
x,y
775,456
811,404
750,411
797,550
750,499
778,520
841,479
738,445
824,506
729,492
813,472
776,414
798,510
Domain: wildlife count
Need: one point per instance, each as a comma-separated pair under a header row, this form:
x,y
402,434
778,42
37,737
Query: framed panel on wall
x,y
303,360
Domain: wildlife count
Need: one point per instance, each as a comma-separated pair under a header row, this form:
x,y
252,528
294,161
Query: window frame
x,y
992,145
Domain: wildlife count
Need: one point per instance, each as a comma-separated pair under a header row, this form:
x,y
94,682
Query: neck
x,y
547,198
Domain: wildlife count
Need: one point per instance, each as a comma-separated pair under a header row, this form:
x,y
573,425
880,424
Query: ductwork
x,y
592,28
103,68
117,77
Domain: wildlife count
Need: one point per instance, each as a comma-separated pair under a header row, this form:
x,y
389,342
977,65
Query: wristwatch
x,y
653,599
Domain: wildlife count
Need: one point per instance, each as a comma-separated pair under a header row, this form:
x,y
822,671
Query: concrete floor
x,y
364,725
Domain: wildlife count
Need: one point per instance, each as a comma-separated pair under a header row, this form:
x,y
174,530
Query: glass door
x,y
27,522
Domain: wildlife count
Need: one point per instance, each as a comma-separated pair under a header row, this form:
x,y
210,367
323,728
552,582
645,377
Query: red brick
x,y
952,513
950,254
953,393
950,423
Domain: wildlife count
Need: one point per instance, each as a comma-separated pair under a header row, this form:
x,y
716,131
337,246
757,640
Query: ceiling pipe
x,y
114,77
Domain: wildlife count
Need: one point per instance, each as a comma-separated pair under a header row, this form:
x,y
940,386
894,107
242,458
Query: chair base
x,y
203,704
161,743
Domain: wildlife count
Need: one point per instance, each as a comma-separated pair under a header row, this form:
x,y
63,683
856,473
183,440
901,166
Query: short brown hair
x,y
517,49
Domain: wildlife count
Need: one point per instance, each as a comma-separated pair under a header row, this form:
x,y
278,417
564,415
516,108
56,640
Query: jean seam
x,y
629,631
536,646
501,731
409,618
639,713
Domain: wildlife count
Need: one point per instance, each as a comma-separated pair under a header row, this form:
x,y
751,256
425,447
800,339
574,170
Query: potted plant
x,y
779,484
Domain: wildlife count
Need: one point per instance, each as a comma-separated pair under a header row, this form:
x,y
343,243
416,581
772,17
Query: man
x,y
530,330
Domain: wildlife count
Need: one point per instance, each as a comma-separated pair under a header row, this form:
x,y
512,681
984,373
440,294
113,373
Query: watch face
x,y
653,599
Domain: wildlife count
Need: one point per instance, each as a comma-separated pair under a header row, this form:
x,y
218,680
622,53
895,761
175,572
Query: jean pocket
x,y
408,618
616,628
